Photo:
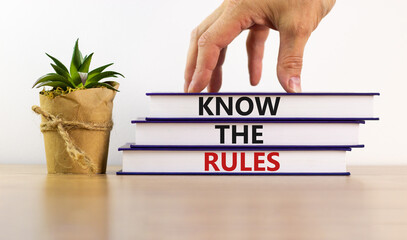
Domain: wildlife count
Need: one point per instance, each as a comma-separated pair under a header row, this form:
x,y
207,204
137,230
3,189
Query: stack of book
x,y
247,133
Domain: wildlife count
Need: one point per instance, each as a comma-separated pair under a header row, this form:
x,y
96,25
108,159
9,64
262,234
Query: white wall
x,y
360,46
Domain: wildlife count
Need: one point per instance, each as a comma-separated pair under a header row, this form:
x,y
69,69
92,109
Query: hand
x,y
294,19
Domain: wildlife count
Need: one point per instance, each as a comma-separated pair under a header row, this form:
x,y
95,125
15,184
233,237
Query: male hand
x,y
294,19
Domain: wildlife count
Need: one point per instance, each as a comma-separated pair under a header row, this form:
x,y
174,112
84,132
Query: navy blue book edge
x,y
264,94
135,147
264,119
248,120
237,174
241,147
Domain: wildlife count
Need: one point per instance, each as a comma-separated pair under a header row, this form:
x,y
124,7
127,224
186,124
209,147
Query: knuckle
x,y
291,63
326,6
203,39
233,3
236,7
301,29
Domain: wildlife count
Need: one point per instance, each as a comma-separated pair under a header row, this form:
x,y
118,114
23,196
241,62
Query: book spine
x,y
239,174
247,162
250,106
255,134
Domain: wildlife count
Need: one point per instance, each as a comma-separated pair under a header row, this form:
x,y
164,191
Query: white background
x,y
359,46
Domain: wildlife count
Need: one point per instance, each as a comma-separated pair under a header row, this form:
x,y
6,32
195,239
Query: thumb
x,y
290,57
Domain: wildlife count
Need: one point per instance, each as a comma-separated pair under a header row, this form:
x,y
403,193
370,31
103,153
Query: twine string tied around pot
x,y
55,123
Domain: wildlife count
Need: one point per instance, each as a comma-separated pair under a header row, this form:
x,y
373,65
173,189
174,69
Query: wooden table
x,y
370,204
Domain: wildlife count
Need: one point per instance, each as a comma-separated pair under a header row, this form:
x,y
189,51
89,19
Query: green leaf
x,y
101,76
60,71
101,84
78,74
112,83
58,63
86,63
104,84
53,77
98,70
76,57
54,84
76,79
119,74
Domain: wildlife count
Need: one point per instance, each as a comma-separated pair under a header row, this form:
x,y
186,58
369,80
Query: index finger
x,y
193,45
226,28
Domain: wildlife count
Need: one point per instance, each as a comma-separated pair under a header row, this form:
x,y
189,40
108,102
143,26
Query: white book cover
x,y
247,132
196,160
267,105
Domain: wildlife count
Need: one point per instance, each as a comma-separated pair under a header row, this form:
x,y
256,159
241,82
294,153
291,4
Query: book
x,y
230,160
244,132
247,133
339,106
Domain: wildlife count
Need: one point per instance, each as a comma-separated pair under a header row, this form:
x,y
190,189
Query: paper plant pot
x,y
90,106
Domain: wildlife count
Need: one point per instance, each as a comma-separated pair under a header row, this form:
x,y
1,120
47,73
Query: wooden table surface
x,y
369,204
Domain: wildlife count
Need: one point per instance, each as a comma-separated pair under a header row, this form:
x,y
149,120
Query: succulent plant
x,y
78,75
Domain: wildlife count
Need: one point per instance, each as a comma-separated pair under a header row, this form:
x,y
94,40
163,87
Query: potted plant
x,y
76,108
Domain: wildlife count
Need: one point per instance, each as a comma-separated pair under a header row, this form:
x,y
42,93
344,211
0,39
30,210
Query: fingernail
x,y
294,83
